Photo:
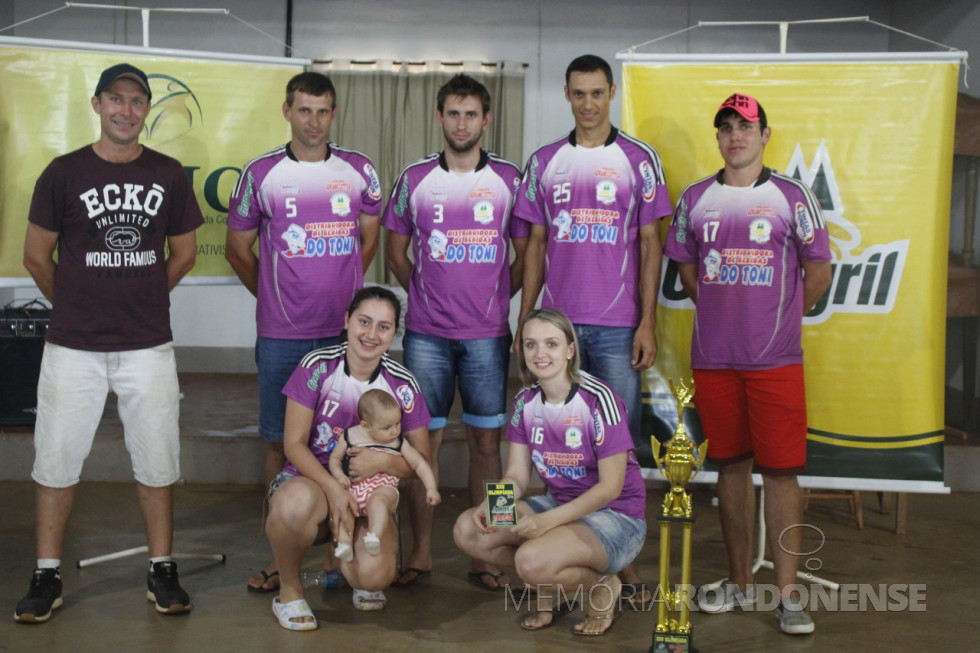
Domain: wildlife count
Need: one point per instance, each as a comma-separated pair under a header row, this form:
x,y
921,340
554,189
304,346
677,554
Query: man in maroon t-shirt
x,y
121,218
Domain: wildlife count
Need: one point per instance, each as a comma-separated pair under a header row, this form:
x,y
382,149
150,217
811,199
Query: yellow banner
x,y
874,141
212,116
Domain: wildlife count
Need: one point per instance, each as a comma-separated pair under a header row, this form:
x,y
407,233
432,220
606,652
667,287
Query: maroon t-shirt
x,y
113,219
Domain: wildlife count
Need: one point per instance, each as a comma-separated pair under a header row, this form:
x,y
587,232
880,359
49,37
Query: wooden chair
x,y
853,496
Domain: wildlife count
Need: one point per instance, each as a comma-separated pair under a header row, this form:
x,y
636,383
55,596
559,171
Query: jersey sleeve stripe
x,y
325,354
405,170
241,178
673,219
399,371
815,208
607,400
497,159
658,166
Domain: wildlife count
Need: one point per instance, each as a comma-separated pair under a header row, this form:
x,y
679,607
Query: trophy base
x,y
672,643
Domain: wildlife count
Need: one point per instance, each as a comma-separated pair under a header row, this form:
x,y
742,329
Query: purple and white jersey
x,y
749,243
461,228
322,382
567,441
309,238
593,202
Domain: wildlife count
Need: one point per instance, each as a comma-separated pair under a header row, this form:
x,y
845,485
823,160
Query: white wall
x,y
544,34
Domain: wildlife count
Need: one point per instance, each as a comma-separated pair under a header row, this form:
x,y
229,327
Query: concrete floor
x,y
105,607
106,610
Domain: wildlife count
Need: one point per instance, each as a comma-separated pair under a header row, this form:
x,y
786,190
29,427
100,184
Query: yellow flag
x,y
212,116
874,141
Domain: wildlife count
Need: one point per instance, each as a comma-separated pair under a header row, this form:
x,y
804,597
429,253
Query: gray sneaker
x,y
793,618
725,598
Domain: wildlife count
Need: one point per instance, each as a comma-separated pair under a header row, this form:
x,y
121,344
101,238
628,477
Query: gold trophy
x,y
679,465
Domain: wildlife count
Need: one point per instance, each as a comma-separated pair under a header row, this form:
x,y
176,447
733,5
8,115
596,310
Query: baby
x,y
377,496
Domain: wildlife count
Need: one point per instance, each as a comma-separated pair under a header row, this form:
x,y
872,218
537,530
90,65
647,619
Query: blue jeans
x,y
277,360
621,536
606,353
481,366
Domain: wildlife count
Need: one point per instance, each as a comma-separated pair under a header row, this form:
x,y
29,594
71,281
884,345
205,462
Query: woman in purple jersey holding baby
x,y
572,429
306,504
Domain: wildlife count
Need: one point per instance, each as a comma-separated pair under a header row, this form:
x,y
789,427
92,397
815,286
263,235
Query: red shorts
x,y
754,413
363,489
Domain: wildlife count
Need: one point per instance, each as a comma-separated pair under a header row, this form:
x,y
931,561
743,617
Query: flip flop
x,y
523,622
609,617
419,575
364,600
600,618
262,589
633,594
285,612
479,578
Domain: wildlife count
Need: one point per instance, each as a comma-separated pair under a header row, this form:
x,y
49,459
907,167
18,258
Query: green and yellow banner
x,y
874,141
212,116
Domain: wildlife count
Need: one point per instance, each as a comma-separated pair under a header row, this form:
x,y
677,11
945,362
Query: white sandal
x,y
285,612
364,600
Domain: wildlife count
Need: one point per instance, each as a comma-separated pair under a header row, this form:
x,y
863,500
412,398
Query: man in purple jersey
x,y
453,208
752,252
594,199
313,207
122,219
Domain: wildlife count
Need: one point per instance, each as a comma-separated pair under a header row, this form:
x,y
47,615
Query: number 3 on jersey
x,y
537,435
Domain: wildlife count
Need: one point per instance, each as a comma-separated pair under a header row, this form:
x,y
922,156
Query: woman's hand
x,y
480,520
365,462
343,508
533,525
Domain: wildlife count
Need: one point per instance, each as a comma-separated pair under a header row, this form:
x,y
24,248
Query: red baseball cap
x,y
745,106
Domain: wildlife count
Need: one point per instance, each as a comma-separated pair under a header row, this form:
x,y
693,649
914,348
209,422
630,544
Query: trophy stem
x,y
683,594
662,607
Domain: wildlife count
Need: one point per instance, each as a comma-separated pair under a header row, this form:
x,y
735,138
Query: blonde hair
x,y
558,319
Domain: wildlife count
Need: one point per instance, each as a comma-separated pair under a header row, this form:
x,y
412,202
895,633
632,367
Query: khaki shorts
x,y
71,396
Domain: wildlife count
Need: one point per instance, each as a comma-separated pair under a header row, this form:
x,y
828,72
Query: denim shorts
x,y
481,366
621,536
276,483
606,353
71,395
277,360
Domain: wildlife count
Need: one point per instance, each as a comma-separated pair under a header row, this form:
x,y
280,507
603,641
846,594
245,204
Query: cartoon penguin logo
x,y
438,242
563,221
295,237
712,266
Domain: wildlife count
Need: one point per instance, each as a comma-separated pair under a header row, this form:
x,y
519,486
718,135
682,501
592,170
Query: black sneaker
x,y
163,588
43,597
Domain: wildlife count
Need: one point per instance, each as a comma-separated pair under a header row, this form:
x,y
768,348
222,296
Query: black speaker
x,y
22,330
